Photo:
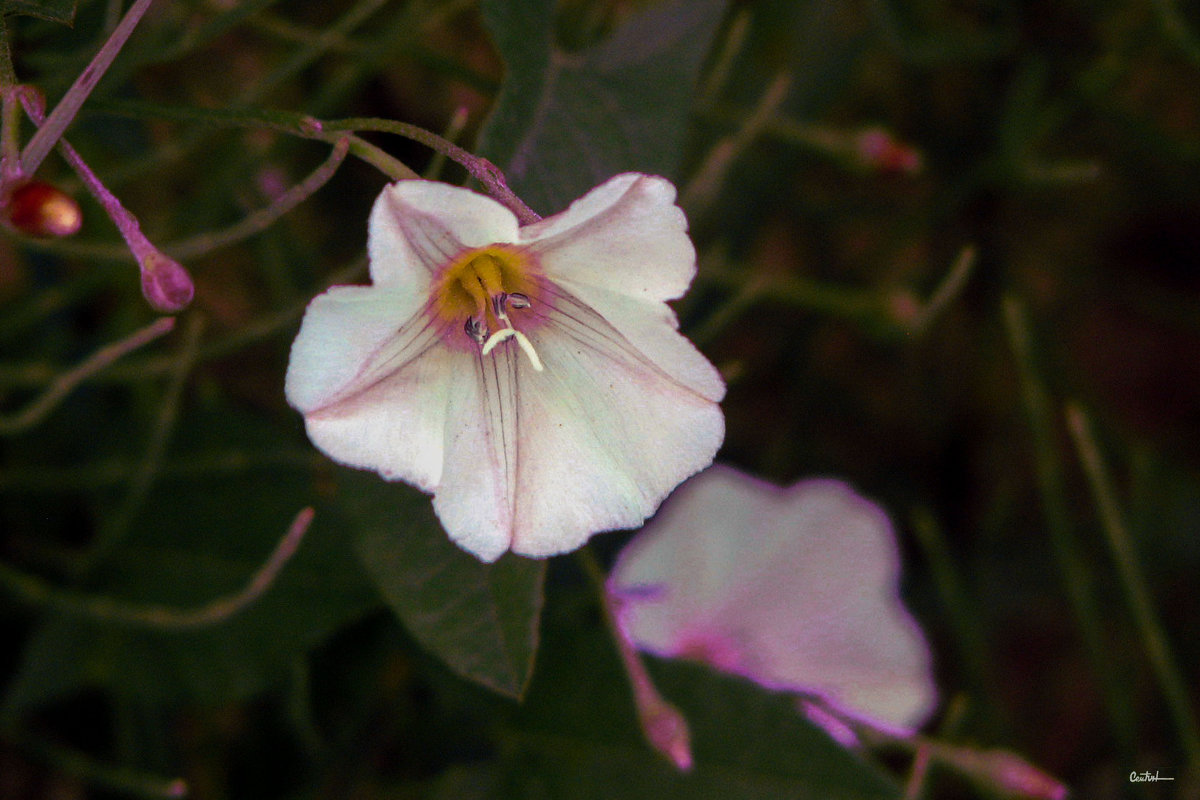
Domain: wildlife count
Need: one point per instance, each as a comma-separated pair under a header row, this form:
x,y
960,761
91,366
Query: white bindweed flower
x,y
531,378
796,589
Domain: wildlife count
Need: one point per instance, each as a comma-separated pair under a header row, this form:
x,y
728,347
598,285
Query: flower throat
x,y
480,287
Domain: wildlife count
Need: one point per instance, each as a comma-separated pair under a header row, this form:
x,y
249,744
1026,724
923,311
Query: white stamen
x,y
496,338
505,334
527,346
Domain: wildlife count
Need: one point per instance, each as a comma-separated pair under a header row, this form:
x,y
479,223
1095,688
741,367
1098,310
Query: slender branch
x,y
120,779
698,195
10,115
662,724
484,171
165,283
946,291
48,134
149,367
38,592
37,410
730,48
1002,773
1133,581
454,129
263,218
1071,563
118,523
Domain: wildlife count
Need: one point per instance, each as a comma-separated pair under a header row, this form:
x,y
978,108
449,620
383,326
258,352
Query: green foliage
x,y
481,619
564,122
54,10
578,736
199,540
841,158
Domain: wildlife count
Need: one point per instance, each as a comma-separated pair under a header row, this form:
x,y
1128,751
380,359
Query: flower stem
x,y
64,113
1133,581
702,189
1070,560
950,288
662,724
37,410
10,115
117,524
121,780
165,283
104,609
484,171
259,220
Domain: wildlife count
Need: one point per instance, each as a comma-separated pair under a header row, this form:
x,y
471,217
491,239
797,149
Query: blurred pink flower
x,y
796,589
532,378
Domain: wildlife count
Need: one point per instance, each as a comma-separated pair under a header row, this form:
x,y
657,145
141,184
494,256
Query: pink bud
x,y
878,149
1018,777
165,283
667,732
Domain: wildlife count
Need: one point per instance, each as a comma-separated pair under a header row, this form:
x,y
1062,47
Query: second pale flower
x,y
531,378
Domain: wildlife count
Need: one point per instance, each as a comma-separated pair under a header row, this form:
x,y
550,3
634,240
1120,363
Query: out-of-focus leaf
x,y
200,539
481,619
54,10
564,122
578,736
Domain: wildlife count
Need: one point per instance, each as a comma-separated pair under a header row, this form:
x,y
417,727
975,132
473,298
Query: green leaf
x,y
481,619
198,540
565,122
579,737
54,10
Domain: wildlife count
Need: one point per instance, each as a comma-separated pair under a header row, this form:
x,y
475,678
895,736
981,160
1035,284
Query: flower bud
x,y
39,209
165,283
877,149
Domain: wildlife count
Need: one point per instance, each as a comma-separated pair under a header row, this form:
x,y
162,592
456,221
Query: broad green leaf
x,y
54,10
577,736
201,538
564,122
481,619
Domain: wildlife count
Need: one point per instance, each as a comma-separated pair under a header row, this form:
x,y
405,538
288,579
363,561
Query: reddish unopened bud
x,y
877,149
1007,774
39,209
1023,779
165,283
667,731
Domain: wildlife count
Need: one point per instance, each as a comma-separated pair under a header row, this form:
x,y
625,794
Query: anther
x,y
518,300
498,303
476,329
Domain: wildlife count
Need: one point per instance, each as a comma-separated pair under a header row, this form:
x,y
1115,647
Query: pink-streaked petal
x,y
605,435
395,423
651,328
801,582
626,236
475,498
418,226
343,329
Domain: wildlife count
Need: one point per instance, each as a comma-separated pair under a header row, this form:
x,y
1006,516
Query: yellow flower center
x,y
480,287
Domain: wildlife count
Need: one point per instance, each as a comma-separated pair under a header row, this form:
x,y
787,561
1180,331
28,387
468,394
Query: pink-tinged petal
x,y
626,236
418,226
475,498
372,390
605,434
652,329
800,583
395,426
343,329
